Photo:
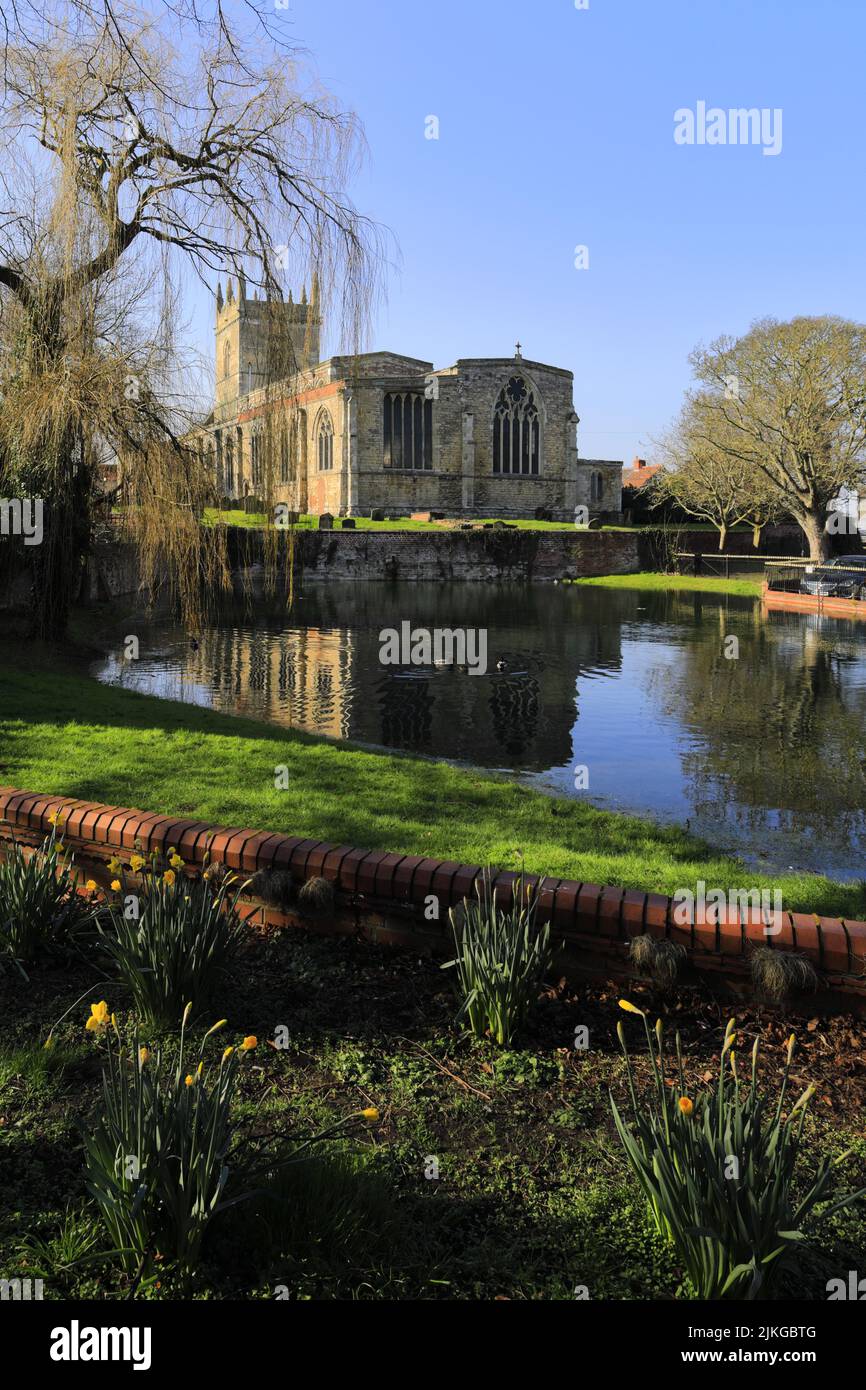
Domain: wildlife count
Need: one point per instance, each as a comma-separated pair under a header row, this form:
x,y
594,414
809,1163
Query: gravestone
x,y
377,514
348,523
326,522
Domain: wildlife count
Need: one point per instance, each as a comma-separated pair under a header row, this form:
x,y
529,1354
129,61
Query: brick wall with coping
x,y
382,896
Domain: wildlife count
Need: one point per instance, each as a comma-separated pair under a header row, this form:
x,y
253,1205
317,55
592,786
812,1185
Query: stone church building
x,y
487,437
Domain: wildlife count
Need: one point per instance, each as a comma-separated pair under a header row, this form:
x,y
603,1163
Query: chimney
x,y
638,463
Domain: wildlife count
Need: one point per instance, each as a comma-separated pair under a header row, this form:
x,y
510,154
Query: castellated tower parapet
x,y
261,341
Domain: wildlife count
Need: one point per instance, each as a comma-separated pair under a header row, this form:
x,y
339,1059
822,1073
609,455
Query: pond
x,y
637,700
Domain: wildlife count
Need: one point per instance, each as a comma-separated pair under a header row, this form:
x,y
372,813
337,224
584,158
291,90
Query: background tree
x,y
159,141
705,477
788,401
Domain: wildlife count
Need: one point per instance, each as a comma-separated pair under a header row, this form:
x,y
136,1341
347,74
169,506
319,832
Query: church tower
x,y
261,341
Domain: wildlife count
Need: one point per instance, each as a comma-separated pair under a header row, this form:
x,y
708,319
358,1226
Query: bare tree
x,y
788,402
161,140
706,478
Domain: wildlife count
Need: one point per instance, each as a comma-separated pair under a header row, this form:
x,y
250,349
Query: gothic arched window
x,y
407,422
596,486
516,430
325,443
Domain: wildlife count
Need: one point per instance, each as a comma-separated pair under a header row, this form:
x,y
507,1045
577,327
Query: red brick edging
x,y
383,895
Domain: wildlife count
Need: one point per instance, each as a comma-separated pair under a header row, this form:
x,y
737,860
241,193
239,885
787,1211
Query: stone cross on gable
x,y
517,348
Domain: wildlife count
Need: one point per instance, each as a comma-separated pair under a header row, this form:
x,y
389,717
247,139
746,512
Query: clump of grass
x,y
659,958
331,1206
778,974
38,1066
316,896
275,888
502,959
53,1255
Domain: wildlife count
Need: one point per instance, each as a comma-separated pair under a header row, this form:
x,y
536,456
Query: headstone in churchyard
x,y
348,523
326,522
377,514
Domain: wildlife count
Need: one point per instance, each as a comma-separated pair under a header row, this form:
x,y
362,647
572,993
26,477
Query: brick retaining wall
x,y
382,896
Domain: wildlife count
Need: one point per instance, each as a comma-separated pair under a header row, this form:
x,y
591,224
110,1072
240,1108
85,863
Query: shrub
x,y
776,974
177,947
718,1172
38,902
659,958
316,896
156,1159
275,887
501,960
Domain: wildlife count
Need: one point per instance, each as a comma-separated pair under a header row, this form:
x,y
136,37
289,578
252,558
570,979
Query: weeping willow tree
x,y
150,143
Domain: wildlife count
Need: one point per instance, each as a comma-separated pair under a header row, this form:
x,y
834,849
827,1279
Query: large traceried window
x,y
325,443
516,430
408,430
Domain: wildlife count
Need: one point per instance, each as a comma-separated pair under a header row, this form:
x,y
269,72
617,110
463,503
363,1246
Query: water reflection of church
x,y
320,671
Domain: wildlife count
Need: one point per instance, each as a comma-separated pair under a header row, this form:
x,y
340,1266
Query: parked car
x,y
842,577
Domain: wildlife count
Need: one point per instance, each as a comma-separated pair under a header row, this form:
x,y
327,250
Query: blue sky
x,y
556,130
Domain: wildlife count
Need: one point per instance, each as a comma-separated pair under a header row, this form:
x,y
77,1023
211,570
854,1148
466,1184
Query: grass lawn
x,y
257,520
676,583
532,1199
62,732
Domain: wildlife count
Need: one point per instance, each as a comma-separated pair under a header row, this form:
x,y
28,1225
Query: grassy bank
x,y
677,583
62,732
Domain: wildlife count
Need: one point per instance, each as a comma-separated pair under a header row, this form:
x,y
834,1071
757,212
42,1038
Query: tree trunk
x,y
816,537
723,534
56,567
757,529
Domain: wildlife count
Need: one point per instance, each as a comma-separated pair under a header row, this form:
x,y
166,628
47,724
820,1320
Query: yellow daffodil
x,y
99,1017
686,1106
631,1008
137,863
189,1080
91,886
228,1052
55,818
371,1113
116,885
114,865
804,1100
216,1027
143,1055
48,1043
168,877
175,861
249,1043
